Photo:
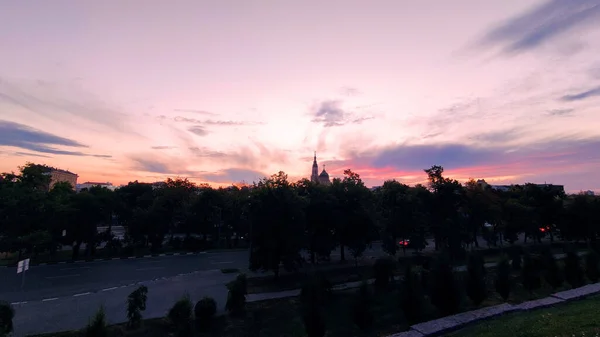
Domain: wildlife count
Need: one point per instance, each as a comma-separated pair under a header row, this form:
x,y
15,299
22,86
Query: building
x,y
315,177
58,176
89,184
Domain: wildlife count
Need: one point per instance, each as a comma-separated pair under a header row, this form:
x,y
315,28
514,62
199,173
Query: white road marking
x,y
82,294
221,262
131,257
62,276
153,268
17,303
78,268
190,253
116,258
108,289
147,255
49,299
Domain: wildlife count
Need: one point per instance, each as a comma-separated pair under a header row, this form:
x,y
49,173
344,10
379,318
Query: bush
x,y
445,294
314,323
515,256
475,284
361,312
411,297
573,271
7,313
204,311
530,274
552,272
98,326
236,298
180,316
383,272
503,278
317,289
136,303
592,266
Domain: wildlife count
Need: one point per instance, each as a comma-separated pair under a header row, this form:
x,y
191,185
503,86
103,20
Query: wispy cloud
x,y
542,24
163,147
200,112
560,112
58,101
582,95
25,137
198,130
330,113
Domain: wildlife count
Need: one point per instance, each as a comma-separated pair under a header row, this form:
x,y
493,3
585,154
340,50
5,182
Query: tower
x,y
314,177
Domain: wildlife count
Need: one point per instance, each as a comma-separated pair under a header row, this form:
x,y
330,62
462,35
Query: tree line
x,y
279,218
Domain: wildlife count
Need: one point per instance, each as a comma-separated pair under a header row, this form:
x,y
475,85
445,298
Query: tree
x,y
98,326
476,287
530,274
136,303
7,313
354,222
412,297
277,216
445,294
552,272
180,316
361,311
592,266
573,270
503,283
236,297
204,311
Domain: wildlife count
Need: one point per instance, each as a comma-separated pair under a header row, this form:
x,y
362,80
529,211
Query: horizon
x,y
233,91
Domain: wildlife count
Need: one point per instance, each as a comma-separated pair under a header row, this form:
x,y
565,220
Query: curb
x,y
109,259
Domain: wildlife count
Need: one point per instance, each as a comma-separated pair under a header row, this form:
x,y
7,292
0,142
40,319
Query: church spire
x,y
315,160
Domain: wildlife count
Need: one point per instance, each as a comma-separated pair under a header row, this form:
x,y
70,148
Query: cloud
x,y
234,175
350,91
582,95
542,24
24,137
560,112
330,113
198,130
26,154
200,112
62,102
181,119
543,157
163,147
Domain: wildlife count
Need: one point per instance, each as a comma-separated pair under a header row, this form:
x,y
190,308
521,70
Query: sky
x,y
234,90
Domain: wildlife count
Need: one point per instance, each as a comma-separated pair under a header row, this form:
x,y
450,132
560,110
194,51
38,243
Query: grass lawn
x,y
570,319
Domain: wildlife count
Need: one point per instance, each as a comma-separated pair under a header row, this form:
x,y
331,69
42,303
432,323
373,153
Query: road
x,y
51,281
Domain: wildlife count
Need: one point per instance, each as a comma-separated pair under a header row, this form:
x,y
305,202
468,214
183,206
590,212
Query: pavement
x,y
54,281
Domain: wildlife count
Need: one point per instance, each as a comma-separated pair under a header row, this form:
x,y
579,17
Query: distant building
x,y
58,176
589,192
315,177
89,184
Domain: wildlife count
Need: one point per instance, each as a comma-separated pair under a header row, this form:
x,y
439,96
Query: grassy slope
x,y
572,319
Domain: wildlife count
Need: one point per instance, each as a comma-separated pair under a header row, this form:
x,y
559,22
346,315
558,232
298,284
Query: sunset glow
x,y
229,91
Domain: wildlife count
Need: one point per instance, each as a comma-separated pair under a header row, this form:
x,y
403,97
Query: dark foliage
x,y
7,313
361,312
204,312
445,293
475,283
530,273
502,281
136,303
180,316
236,298
412,299
573,270
98,326
383,272
552,273
592,266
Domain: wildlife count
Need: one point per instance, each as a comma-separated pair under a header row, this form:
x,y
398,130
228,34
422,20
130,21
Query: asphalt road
x,y
51,281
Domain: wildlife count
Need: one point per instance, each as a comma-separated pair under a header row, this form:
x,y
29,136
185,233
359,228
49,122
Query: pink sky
x,y
233,90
